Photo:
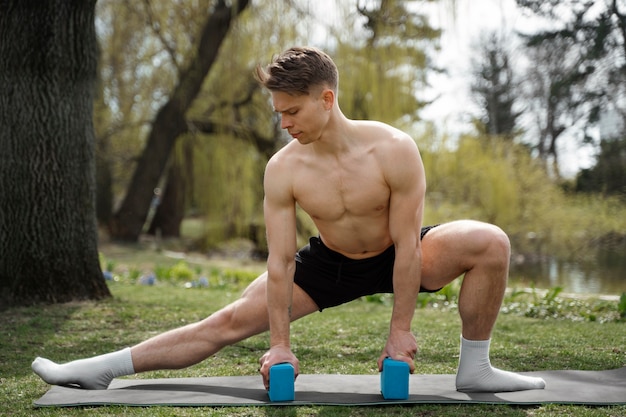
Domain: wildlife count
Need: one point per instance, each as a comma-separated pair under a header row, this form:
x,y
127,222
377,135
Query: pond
x,y
605,273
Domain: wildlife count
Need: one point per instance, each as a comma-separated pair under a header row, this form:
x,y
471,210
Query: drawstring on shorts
x,y
339,272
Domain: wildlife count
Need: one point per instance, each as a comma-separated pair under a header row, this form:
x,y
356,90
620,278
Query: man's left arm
x,y
407,182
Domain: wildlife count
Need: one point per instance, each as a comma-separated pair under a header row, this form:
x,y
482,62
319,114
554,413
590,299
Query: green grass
x,y
342,340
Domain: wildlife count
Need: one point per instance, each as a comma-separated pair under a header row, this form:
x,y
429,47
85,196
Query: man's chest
x,y
357,190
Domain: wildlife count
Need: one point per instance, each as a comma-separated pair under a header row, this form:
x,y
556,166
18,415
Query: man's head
x,y
298,70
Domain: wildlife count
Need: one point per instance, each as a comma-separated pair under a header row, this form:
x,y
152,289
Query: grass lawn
x,y
347,339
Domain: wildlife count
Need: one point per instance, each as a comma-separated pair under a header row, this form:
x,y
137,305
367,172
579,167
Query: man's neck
x,y
338,135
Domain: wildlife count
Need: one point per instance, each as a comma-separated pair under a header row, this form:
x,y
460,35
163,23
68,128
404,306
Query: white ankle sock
x,y
91,373
475,373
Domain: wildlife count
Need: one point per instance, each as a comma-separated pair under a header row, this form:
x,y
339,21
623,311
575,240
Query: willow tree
x,y
385,63
145,47
217,168
234,130
48,236
230,111
170,122
136,73
383,68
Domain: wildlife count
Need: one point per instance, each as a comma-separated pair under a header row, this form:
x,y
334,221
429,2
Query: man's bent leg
x,y
481,252
475,373
176,348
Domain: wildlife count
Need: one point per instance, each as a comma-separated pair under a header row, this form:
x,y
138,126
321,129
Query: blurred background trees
x,y
215,168
183,131
505,169
495,88
588,47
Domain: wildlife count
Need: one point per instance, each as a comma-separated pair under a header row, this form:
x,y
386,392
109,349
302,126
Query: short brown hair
x,y
297,70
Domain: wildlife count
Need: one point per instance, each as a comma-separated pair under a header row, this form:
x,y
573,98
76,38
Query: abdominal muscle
x,y
356,239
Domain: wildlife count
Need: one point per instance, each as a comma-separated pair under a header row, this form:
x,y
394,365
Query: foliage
x,y
534,304
608,175
383,71
181,273
485,179
622,305
541,304
131,37
229,110
227,187
551,306
494,88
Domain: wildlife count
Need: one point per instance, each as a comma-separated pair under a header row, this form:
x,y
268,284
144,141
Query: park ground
x,y
544,331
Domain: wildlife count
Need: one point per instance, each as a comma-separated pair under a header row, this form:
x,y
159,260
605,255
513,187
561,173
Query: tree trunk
x,y
169,123
169,213
104,175
104,183
48,234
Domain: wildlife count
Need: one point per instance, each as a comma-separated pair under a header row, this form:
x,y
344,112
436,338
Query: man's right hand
x,y
401,346
276,355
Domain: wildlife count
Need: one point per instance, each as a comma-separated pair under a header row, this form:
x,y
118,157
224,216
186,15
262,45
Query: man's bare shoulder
x,y
380,130
285,156
386,138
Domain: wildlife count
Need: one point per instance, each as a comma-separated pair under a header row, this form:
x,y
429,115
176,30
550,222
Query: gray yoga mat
x,y
563,387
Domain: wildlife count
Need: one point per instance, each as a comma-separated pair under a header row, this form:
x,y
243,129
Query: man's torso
x,y
346,194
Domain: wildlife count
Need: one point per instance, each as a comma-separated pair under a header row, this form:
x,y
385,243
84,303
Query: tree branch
x,y
156,28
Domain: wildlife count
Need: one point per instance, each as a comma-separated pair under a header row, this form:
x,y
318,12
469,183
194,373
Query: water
x,y
605,273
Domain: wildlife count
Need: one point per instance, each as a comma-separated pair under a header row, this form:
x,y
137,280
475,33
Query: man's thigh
x,y
254,298
451,249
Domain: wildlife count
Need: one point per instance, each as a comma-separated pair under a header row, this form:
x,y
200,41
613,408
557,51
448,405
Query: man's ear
x,y
328,97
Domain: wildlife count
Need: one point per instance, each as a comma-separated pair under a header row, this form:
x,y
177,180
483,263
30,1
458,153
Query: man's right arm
x,y
280,223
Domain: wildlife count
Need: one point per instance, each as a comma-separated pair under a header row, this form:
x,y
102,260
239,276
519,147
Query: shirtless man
x,y
363,185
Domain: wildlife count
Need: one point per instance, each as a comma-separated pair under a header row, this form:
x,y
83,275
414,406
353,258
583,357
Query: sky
x,y
453,107
461,32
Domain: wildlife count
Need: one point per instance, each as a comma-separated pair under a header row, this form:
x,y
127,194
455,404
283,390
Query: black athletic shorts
x,y
331,278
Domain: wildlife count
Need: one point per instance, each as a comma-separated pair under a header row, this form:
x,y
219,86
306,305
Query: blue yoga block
x,y
394,380
282,377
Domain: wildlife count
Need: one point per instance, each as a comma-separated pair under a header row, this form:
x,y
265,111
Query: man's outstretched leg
x,y
481,252
91,373
178,348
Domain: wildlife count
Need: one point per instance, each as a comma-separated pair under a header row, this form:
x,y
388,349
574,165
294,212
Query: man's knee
x,y
236,322
220,323
485,236
500,241
497,237
495,246
486,243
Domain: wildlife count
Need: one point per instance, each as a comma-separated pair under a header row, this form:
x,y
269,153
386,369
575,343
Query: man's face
x,y
303,116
